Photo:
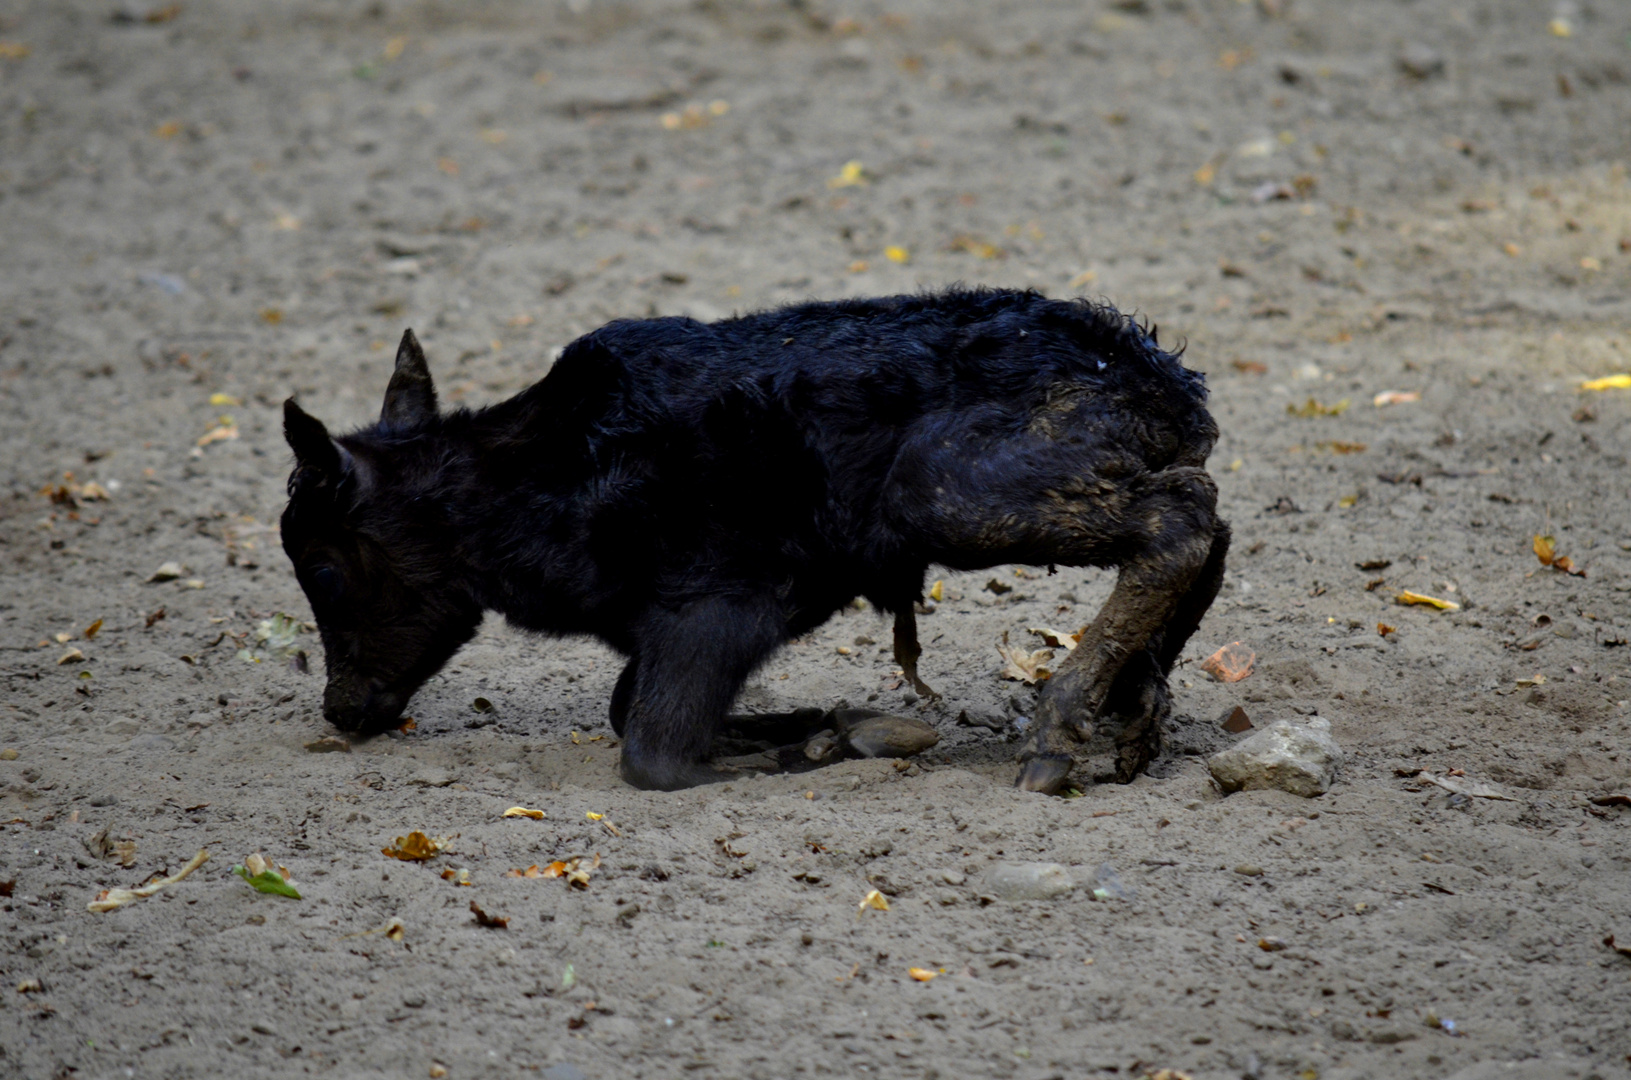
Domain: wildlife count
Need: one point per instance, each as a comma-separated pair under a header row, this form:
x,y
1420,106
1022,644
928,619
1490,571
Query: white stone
x,y
1301,758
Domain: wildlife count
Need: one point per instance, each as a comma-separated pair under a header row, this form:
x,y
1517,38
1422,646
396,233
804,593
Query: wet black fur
x,y
697,494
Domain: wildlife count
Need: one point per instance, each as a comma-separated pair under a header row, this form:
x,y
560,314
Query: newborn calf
x,y
696,494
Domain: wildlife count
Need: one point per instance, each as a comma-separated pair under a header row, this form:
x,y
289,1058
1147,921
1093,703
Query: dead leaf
x,y
1056,639
225,428
1608,382
853,174
1312,408
1231,663
1427,601
975,246
1471,788
92,630
1271,944
491,922
1384,629
522,811
415,847
108,899
874,900
573,870
1395,397
592,816
1339,447
1249,367
70,657
1025,667
1545,549
461,876
530,872
922,974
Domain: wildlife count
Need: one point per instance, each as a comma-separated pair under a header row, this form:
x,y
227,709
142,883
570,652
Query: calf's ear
x,y
410,399
308,438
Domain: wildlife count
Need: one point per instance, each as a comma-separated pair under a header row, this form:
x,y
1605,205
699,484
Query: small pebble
x,y
1247,869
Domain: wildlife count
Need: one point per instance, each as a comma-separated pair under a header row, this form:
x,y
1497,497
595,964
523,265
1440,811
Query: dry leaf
x,y
853,174
226,428
1395,397
1312,408
522,811
461,876
530,872
1231,663
574,870
1465,787
491,922
70,657
1055,639
1608,382
975,246
897,254
1025,667
415,847
592,816
1384,629
937,591
108,899
922,974
1086,277
874,900
92,630
1427,601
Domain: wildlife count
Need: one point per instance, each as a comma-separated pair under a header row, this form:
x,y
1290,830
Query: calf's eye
x,y
327,583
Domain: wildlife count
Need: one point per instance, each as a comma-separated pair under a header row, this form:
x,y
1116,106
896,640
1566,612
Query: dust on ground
x,y
207,207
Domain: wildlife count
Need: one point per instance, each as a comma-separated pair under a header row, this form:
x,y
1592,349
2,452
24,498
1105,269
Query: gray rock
x,y
1421,61
151,742
564,1070
821,747
431,776
1027,881
1301,758
889,736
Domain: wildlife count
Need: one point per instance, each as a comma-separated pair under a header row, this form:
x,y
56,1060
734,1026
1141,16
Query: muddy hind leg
x,y
1170,529
691,662
1139,700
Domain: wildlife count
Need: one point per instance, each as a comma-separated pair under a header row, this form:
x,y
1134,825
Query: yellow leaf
x,y
592,816
1312,408
1427,601
853,174
1546,549
1086,277
1608,382
922,974
896,254
108,899
937,590
522,811
1560,28
224,399
394,47
1022,666
1056,639
874,900
415,847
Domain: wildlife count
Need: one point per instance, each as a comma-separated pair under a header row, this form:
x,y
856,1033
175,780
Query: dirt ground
x,y
206,207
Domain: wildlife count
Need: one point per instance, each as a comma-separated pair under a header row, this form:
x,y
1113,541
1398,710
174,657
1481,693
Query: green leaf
x,y
268,881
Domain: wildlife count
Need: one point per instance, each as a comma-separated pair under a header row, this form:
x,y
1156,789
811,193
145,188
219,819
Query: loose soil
x,y
207,207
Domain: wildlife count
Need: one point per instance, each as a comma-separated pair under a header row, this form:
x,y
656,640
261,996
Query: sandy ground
x,y
204,210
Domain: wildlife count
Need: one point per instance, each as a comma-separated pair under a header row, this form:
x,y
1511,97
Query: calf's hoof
x,y
1044,773
670,775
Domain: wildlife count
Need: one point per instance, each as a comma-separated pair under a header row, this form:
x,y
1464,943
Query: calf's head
x,y
373,551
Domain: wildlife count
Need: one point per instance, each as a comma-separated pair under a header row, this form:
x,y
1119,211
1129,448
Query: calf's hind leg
x,y
1139,700
1168,536
690,663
